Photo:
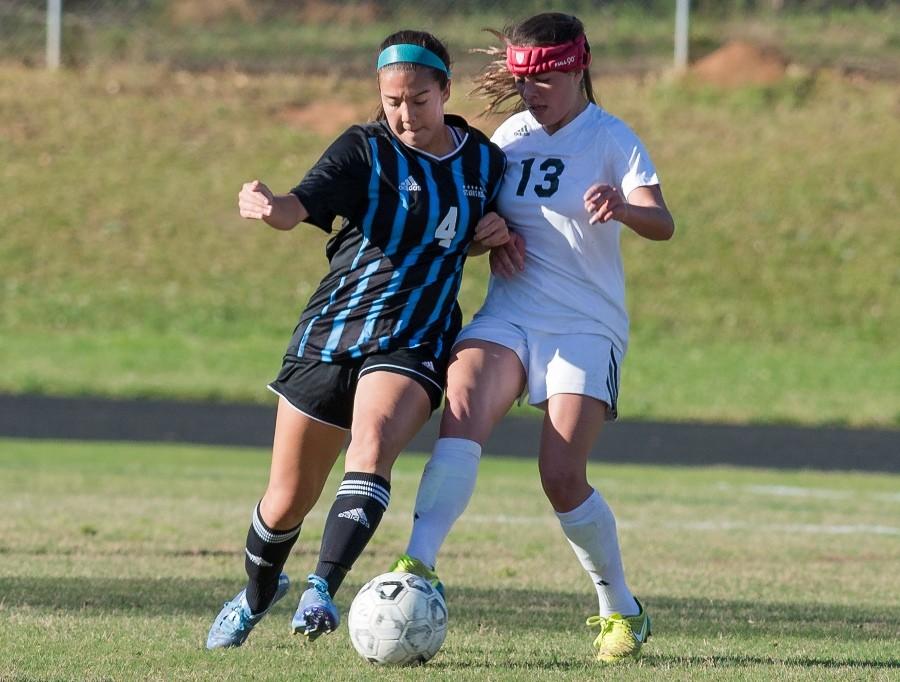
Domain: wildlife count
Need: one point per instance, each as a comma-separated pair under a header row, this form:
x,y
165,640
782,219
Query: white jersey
x,y
573,281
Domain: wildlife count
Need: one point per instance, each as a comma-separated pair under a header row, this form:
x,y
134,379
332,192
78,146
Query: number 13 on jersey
x,y
552,168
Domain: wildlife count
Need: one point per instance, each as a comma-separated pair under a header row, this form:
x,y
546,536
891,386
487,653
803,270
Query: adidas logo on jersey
x,y
410,185
522,132
357,515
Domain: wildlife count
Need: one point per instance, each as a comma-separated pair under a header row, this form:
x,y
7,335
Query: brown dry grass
x,y
323,118
206,12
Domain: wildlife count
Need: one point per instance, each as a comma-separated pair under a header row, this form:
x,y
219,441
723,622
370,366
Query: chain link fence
x,y
329,35
254,35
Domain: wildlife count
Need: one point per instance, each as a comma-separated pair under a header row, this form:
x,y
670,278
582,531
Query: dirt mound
x,y
203,13
207,12
324,12
741,63
324,118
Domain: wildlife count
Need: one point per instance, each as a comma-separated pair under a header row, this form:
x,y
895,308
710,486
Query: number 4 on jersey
x,y
446,231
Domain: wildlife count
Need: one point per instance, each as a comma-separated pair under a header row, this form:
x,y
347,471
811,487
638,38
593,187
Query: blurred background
x,y
338,35
125,270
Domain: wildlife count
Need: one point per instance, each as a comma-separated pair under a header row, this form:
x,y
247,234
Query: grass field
x,y
126,271
114,558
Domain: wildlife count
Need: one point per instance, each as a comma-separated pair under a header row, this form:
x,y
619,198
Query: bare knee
x,y
370,458
284,507
467,413
565,489
372,447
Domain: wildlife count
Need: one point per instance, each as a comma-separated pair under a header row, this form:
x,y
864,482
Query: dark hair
x,y
422,39
550,28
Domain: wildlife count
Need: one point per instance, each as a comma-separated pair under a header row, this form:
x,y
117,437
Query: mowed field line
x,y
824,529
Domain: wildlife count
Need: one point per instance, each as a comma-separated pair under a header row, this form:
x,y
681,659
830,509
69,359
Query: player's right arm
x,y
282,211
508,259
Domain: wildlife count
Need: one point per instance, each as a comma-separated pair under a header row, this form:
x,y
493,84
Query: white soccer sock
x,y
444,492
591,530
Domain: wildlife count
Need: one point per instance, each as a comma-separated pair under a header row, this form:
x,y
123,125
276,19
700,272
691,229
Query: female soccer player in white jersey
x,y
369,354
558,326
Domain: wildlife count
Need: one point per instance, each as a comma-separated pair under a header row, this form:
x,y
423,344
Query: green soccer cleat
x,y
621,637
408,564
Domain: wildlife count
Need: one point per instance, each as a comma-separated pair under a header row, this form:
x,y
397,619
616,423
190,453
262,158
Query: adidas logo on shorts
x,y
357,515
428,364
410,185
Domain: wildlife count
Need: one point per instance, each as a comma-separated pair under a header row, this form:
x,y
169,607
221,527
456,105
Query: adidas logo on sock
x,y
258,560
522,132
410,185
357,515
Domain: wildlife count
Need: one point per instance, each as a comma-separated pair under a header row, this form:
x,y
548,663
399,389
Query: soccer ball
x,y
397,619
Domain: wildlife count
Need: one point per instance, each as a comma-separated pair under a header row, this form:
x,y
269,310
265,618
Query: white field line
x,y
403,518
714,526
797,491
810,528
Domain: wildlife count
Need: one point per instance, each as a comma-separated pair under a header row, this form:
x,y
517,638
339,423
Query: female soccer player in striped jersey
x,y
556,325
416,190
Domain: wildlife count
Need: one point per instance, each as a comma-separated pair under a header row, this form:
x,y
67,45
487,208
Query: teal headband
x,y
413,54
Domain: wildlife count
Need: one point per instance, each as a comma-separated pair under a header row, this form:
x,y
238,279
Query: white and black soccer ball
x,y
397,619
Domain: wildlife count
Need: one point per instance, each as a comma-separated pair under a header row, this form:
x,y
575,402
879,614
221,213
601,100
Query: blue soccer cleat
x,y
316,614
233,624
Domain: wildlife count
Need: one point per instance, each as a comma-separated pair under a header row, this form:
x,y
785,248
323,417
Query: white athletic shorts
x,y
584,364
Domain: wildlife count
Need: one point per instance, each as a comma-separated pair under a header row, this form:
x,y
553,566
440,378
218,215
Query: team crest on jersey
x,y
474,191
522,132
410,185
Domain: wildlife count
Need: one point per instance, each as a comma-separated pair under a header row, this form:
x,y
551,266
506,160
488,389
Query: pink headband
x,y
529,60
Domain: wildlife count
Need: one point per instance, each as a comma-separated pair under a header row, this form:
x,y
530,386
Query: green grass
x,y
126,271
114,558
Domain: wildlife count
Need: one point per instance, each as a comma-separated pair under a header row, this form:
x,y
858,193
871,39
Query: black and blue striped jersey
x,y
396,263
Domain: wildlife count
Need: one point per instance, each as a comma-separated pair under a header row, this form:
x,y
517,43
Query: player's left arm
x,y
644,211
490,231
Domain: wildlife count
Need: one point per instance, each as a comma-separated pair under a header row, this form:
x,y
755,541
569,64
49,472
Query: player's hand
x,y
491,231
508,259
255,200
604,203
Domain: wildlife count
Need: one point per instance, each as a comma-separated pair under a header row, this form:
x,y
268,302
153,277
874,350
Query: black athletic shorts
x,y
325,390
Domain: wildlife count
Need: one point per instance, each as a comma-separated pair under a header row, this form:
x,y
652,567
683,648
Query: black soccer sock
x,y
357,510
267,550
